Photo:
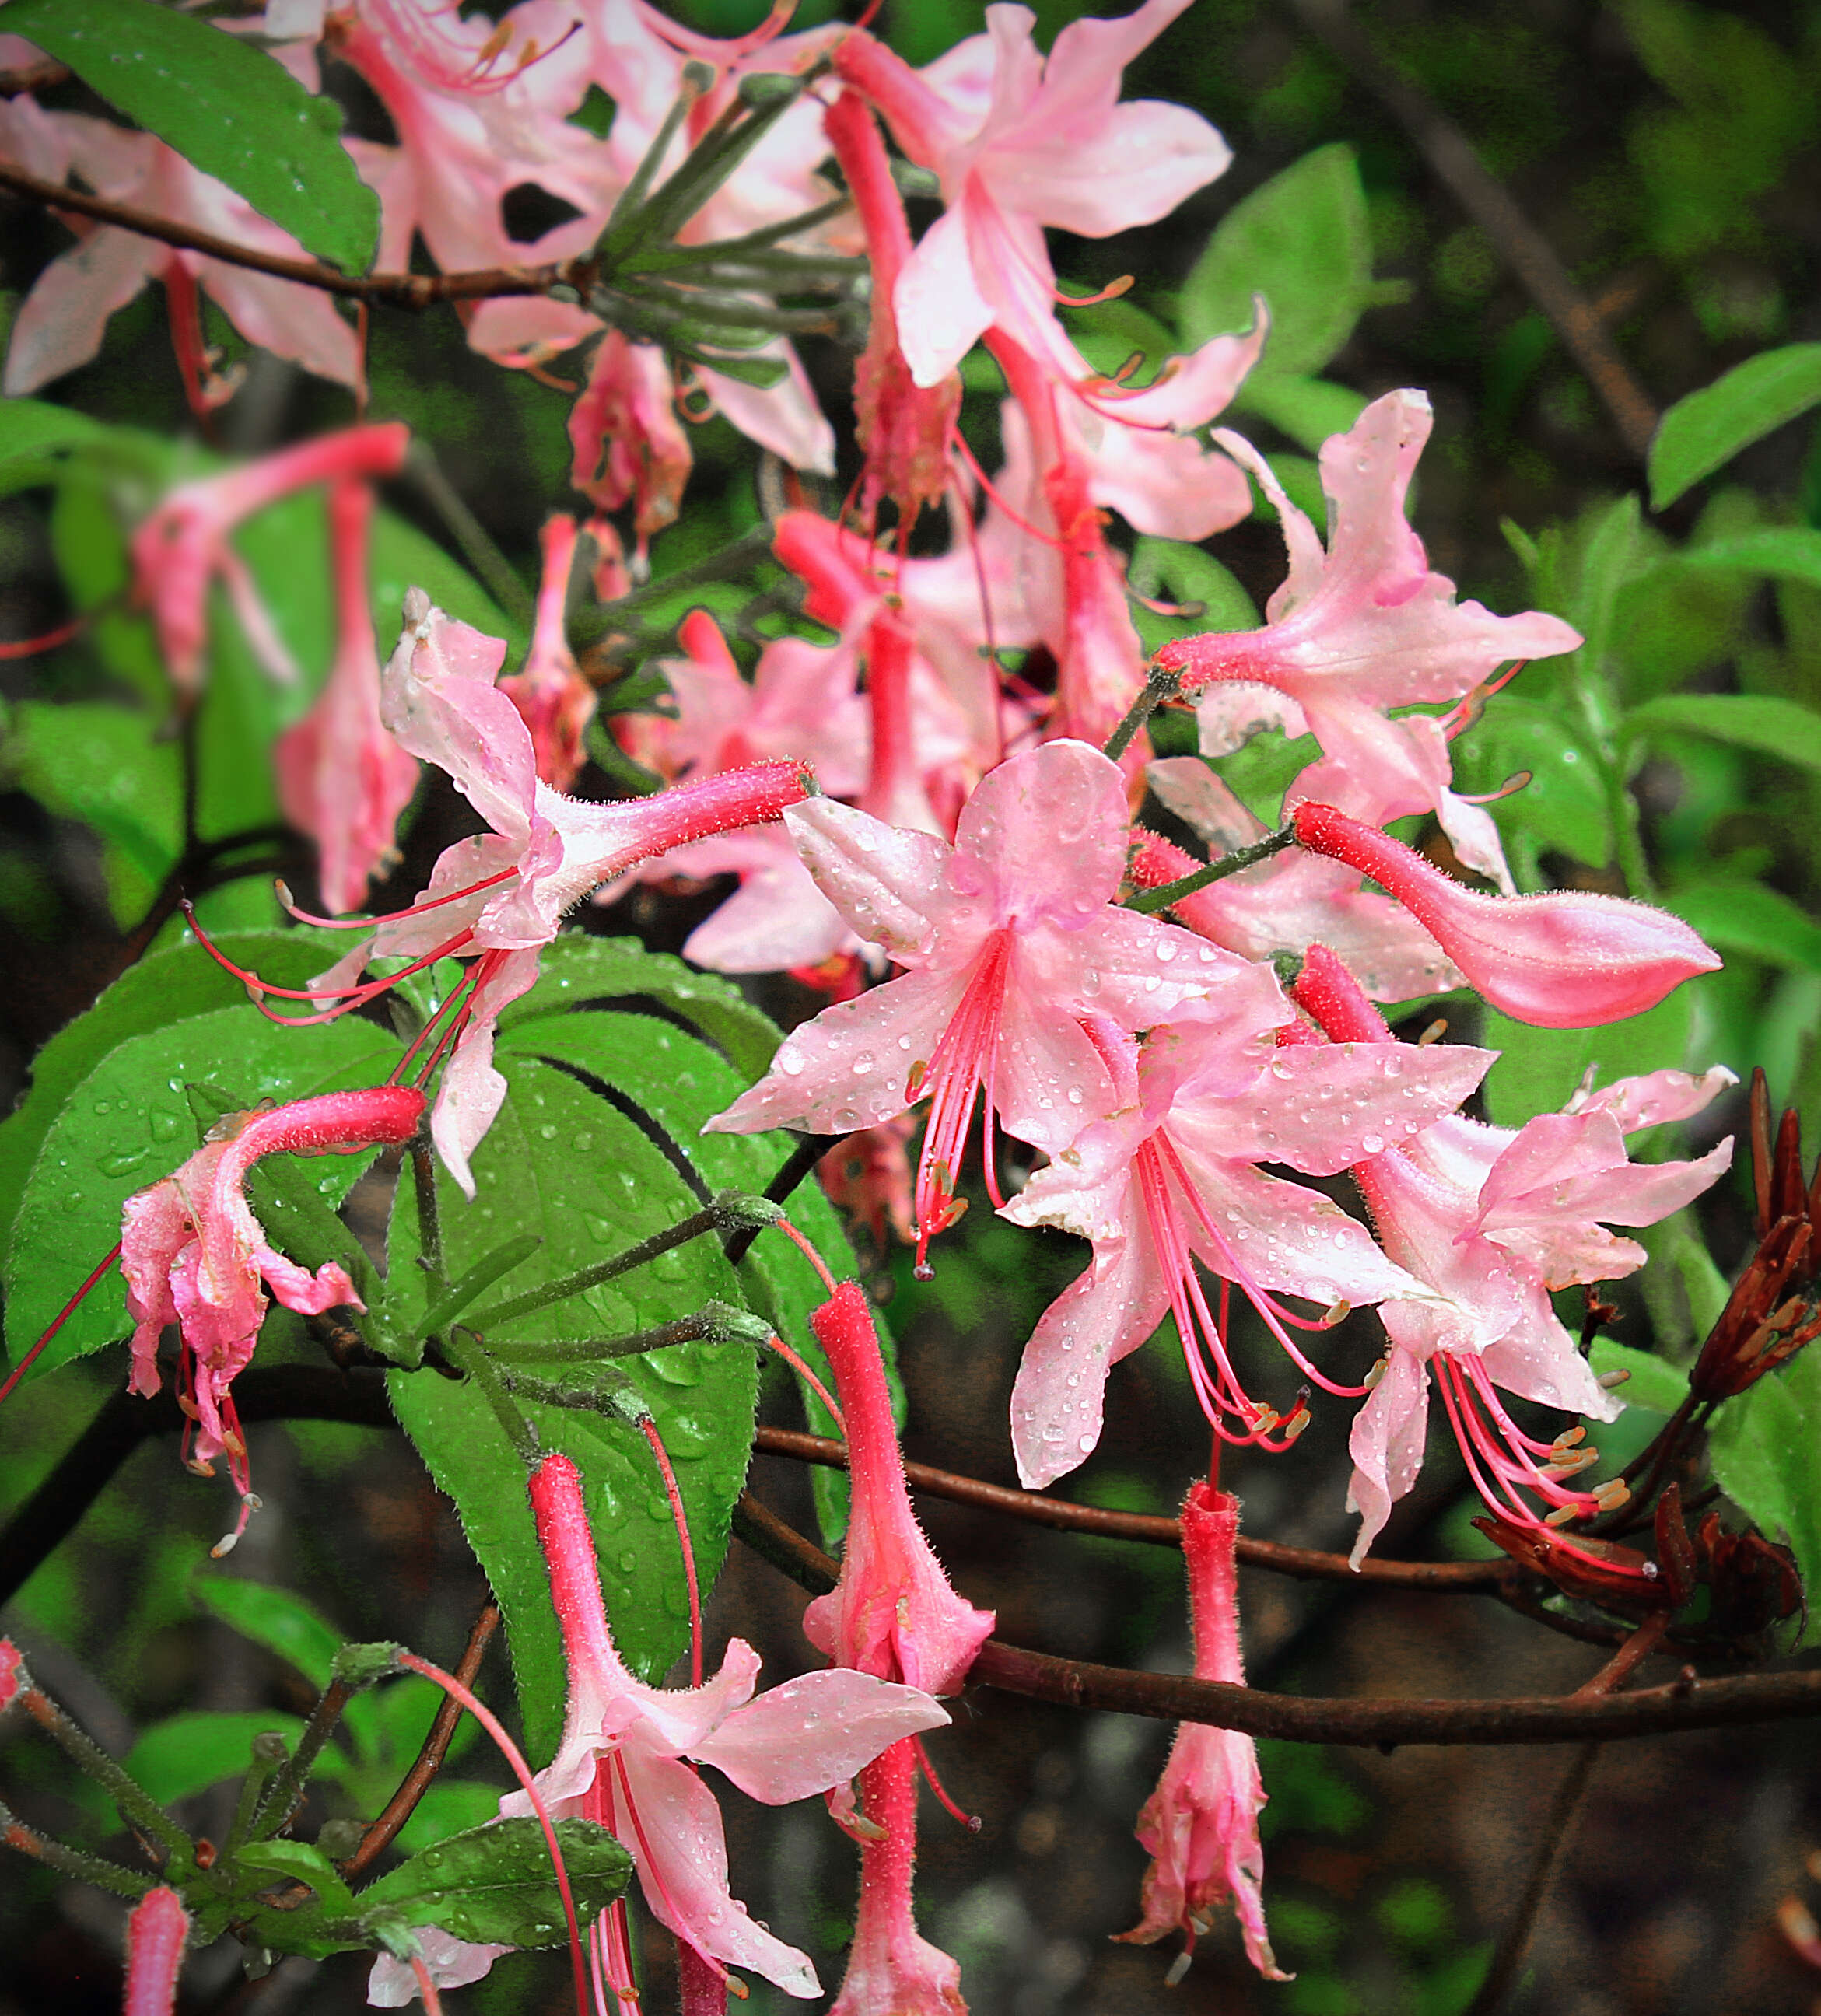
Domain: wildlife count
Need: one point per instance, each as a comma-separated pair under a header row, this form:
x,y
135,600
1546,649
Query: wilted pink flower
x,y
1491,1221
555,701
1358,629
893,1612
1201,1823
1172,1178
65,316
629,445
156,1927
1010,936
1020,140
194,1255
1564,960
182,546
342,778
621,1761
1285,903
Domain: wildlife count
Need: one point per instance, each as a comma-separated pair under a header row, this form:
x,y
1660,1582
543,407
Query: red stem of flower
x,y
648,1428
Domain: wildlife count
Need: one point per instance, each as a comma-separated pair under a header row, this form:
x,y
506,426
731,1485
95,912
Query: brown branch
x,y
1308,1563
404,290
1687,1702
1525,251
384,1830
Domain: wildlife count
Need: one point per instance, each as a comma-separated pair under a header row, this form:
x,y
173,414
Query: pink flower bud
x,y
1565,960
156,1932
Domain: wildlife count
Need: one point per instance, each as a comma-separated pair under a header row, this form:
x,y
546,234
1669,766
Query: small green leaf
x,y
33,434
1762,1446
1783,729
1747,918
1302,241
186,1754
1703,432
1563,804
281,1621
232,111
1655,1385
303,1863
1786,552
495,1885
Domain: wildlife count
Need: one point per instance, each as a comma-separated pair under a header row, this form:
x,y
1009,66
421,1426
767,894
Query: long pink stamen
x,y
463,987
986,483
24,647
964,1060
970,1821
62,1317
648,1428
522,1771
390,917
426,1987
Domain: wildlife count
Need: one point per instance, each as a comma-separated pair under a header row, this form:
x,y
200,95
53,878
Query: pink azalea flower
x,y
1010,936
157,1926
622,1759
893,1613
868,1178
1564,960
64,318
1019,141
1491,1221
182,546
1201,1823
193,1253
554,700
1285,903
1172,1178
906,431
1360,628
503,894
342,778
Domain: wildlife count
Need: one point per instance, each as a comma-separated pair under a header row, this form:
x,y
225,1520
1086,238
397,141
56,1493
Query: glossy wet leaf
x,y
494,1884
1705,430
1538,1069
562,1162
1762,1447
1782,729
227,107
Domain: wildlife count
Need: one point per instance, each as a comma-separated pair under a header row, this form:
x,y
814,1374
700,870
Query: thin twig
x,y
383,1831
1687,1702
1529,255
404,290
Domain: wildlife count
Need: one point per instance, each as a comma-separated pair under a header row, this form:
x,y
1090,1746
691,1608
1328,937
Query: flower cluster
x,y
940,812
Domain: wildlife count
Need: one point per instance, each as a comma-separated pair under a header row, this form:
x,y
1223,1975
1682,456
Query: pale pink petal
x,y
1386,1443
814,1732
1045,832
1231,712
472,1092
1656,1097
941,312
891,885
66,314
786,418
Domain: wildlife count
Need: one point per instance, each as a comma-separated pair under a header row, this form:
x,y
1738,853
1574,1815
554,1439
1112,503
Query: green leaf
x,y
495,1885
577,969
126,1125
1747,918
1786,552
1783,729
33,434
1302,241
679,1083
1655,1385
1309,410
303,1863
1762,1446
166,988
1703,432
107,765
295,1631
231,110
1170,570
1563,804
186,1754
563,1163
1538,1069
